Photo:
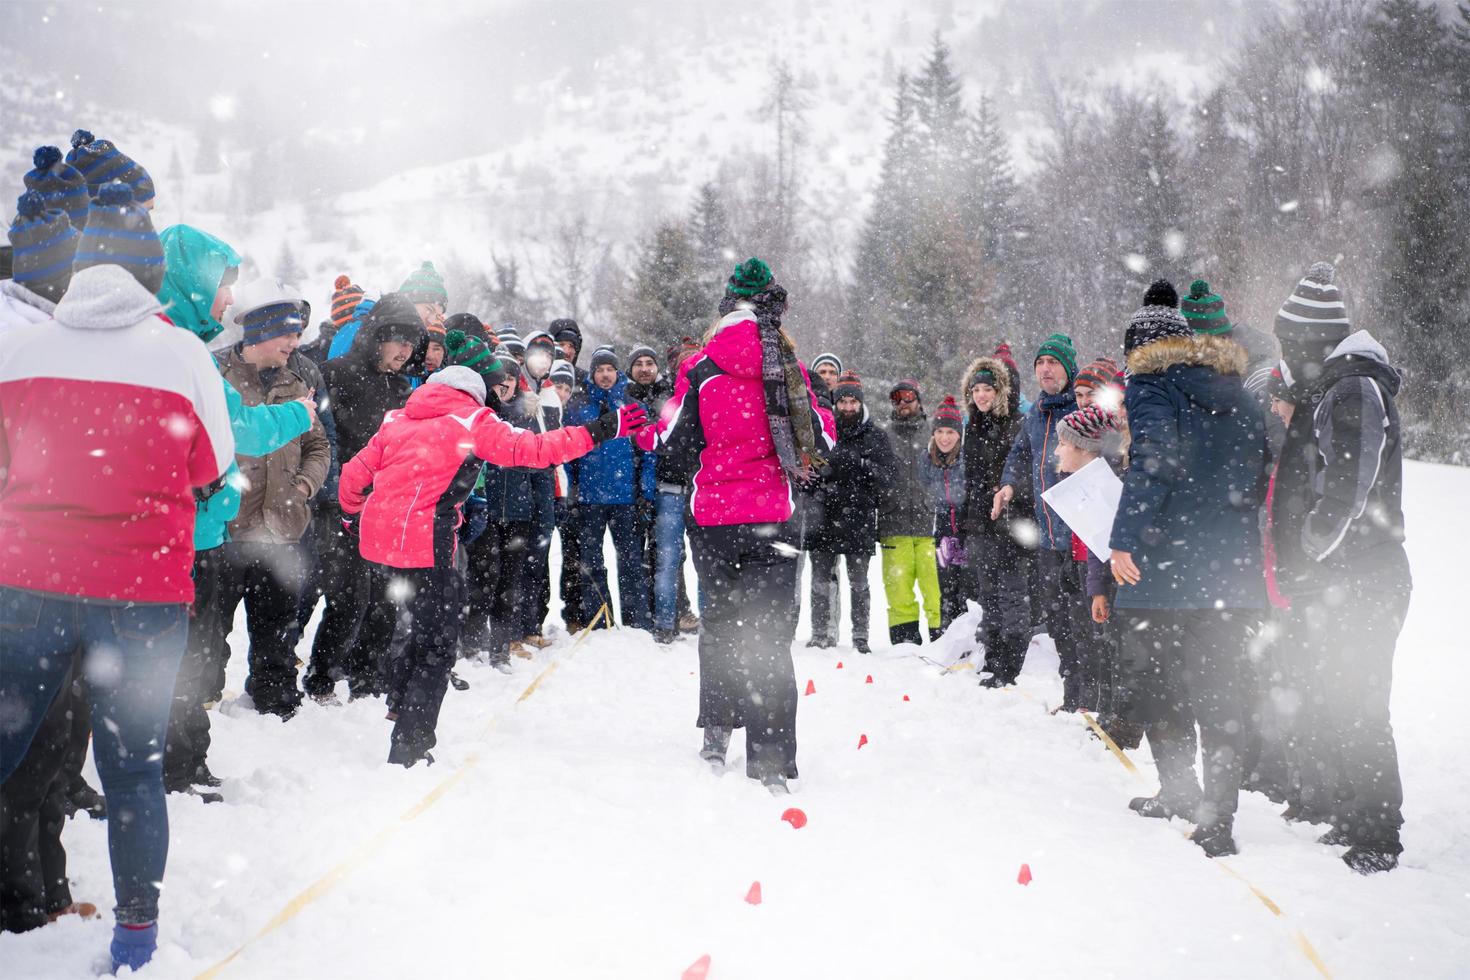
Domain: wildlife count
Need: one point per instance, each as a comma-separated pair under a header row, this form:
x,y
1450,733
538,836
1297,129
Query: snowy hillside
x,y
568,830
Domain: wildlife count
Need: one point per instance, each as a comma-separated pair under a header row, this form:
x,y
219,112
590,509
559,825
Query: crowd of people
x,y
406,471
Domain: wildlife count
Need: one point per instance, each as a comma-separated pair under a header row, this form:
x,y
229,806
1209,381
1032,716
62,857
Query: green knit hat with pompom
x,y
1204,310
749,278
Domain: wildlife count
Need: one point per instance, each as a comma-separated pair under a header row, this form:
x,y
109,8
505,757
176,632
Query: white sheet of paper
x,y
1087,501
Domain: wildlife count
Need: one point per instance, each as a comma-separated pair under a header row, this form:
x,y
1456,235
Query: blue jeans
x,y
131,658
668,538
592,520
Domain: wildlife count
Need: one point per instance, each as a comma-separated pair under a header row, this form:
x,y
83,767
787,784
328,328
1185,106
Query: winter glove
x,y
614,425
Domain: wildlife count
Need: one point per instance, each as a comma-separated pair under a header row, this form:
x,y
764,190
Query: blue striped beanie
x,y
45,244
100,163
60,184
119,232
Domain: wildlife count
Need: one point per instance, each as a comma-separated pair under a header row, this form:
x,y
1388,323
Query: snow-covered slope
x,y
575,833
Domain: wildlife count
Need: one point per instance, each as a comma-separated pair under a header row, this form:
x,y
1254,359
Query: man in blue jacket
x,y
1032,464
607,496
1189,561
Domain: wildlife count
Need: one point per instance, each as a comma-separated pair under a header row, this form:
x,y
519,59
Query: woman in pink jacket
x,y
744,414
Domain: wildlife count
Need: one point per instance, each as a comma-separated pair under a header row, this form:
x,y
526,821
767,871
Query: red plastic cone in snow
x,y
795,816
811,687
869,680
862,740
698,970
754,895
839,665
905,697
1024,878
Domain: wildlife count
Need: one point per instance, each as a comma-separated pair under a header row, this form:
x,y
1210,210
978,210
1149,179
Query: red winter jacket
x,y
422,463
718,413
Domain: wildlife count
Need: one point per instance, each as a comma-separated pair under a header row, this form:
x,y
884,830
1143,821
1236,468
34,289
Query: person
x,y
992,553
748,444
1032,464
608,487
346,294
197,288
859,464
563,379
545,415
96,524
568,337
420,466
1339,532
45,244
262,563
1095,432
1188,560
1099,381
906,523
942,469
424,288
363,385
828,367
648,385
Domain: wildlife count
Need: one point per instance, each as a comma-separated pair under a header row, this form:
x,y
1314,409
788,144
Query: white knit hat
x,y
460,378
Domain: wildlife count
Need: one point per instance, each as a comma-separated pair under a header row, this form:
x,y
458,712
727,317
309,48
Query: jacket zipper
x,y
407,513
1045,454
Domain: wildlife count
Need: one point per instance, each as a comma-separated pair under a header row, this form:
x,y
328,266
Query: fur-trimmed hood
x,y
1204,350
1002,385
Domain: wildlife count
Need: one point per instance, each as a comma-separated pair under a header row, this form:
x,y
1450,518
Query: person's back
x,y
98,501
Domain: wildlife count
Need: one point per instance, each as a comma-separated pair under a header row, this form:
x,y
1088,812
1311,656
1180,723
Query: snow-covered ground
x,y
576,834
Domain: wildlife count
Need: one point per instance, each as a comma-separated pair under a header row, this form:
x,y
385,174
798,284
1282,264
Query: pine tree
x,y
288,269
665,299
709,227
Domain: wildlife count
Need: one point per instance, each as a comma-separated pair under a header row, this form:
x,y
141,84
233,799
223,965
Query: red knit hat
x,y
345,299
848,385
948,414
1004,355
1099,374
1087,427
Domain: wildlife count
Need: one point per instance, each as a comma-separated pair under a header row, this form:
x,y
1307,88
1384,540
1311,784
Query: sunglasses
x,y
904,398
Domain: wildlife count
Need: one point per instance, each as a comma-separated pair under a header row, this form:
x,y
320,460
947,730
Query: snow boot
x,y
519,649
935,632
1159,808
820,643
1336,837
1367,860
689,623
716,744
860,644
665,637
1125,734
905,633
1299,812
539,642
133,946
457,682
775,783
203,777
402,754
1215,839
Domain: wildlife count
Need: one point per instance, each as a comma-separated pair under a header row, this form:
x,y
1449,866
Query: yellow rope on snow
x,y
367,848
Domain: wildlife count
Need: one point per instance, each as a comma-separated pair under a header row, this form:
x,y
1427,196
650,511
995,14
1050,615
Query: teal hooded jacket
x,y
197,263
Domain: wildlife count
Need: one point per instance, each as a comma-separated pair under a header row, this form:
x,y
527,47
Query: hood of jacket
x,y
615,395
1208,369
15,291
736,345
196,264
105,297
1360,354
1002,386
432,401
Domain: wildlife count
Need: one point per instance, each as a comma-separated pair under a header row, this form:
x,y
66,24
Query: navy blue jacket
x,y
1196,479
1032,462
607,474
510,491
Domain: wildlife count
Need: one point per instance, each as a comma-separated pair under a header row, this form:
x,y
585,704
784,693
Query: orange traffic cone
x,y
795,816
698,970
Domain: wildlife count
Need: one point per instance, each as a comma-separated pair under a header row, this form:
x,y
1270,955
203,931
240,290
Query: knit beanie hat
x,y
1004,355
460,378
948,415
1059,345
100,163
1087,428
565,330
466,350
906,384
642,350
345,298
984,376
604,355
1161,292
831,359
60,184
394,318
119,232
1204,310
508,338
45,246
1314,315
540,338
848,385
268,308
563,373
424,285
1154,323
1099,374
753,282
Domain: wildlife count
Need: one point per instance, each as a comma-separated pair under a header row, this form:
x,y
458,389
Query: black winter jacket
x,y
851,489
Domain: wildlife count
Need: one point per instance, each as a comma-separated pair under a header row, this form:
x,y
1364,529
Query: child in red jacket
x,y
421,465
